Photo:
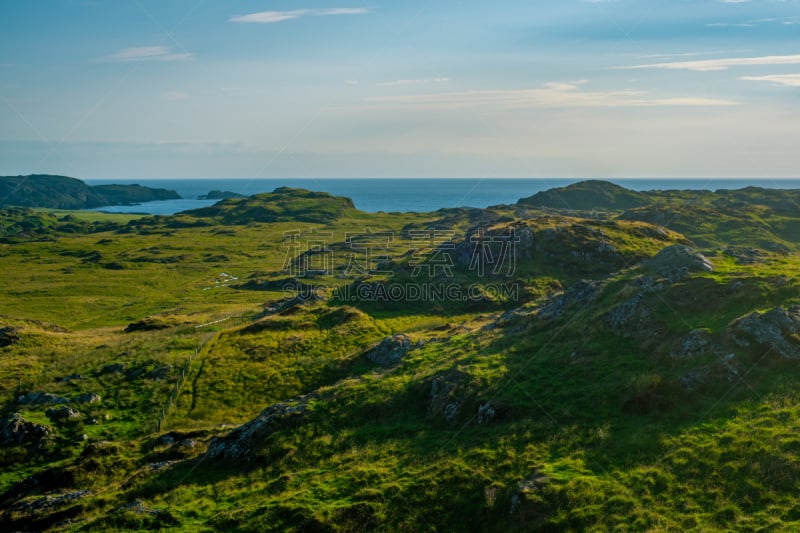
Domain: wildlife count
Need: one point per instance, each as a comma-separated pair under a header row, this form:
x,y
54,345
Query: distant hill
x,y
61,192
587,195
284,204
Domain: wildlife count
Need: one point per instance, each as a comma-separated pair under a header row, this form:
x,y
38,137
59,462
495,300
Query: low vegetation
x,y
230,368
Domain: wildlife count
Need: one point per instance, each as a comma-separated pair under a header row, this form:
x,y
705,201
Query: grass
x,y
594,429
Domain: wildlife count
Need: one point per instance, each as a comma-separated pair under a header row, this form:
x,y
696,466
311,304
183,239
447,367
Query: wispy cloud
x,y
145,53
721,64
553,95
421,81
787,80
271,17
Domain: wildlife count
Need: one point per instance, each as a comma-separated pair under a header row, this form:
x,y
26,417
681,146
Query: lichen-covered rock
x,y
15,431
776,330
41,398
390,350
697,342
242,443
677,262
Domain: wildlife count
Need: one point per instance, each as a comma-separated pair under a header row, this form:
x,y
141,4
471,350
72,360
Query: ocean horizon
x,y
408,194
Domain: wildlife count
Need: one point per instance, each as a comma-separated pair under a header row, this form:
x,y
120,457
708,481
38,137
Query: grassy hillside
x,y
245,367
61,192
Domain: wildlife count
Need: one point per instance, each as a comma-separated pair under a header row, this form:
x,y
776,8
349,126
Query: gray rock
x,y
49,502
390,350
242,443
774,329
580,294
89,397
677,262
486,413
444,401
41,398
524,501
15,431
745,256
62,414
8,336
630,318
697,342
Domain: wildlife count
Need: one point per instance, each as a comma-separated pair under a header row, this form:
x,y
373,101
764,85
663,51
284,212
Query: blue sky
x,y
412,88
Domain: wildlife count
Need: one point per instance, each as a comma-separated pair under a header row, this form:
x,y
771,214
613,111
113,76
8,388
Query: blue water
x,y
420,195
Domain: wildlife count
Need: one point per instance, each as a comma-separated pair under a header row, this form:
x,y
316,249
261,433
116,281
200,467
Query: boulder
x,y
62,414
390,350
8,336
697,342
630,318
486,413
678,262
15,431
775,330
89,397
41,398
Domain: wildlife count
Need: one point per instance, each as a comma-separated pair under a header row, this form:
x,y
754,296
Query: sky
x,y
411,88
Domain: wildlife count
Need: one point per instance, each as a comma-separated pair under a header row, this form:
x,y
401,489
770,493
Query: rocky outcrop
x,y
775,330
578,295
62,414
241,444
390,350
8,336
149,324
630,318
16,431
678,262
89,397
444,400
41,398
697,342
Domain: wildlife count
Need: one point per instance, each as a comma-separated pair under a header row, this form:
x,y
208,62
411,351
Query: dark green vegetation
x,y
60,192
220,195
155,374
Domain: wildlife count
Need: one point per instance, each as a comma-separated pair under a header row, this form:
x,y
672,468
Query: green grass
x,y
594,429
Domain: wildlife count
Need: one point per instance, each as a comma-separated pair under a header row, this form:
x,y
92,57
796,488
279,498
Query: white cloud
x,y
787,80
422,81
706,65
271,17
145,53
553,95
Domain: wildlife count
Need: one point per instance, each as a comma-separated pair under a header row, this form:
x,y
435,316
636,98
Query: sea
x,y
400,195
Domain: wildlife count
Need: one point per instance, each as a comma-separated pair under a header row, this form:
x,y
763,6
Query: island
x,y
62,192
